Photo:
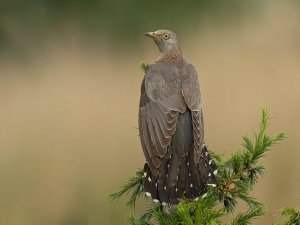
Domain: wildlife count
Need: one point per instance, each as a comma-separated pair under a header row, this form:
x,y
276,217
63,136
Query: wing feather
x,y
160,104
192,97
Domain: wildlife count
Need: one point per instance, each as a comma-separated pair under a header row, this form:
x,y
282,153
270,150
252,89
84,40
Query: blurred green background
x,y
69,93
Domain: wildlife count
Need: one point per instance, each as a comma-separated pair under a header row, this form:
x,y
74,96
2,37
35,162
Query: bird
x,y
171,127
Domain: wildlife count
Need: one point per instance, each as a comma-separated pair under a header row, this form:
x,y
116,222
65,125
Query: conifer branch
x,y
247,217
289,216
241,172
133,185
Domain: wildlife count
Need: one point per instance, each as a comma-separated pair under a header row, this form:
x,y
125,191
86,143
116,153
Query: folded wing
x,y
160,104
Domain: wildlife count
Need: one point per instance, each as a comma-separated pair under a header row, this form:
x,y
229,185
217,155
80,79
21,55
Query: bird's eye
x,y
166,36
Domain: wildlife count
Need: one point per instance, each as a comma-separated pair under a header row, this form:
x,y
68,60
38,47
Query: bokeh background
x,y
69,93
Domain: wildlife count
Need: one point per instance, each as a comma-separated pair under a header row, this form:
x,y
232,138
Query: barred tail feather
x,y
180,178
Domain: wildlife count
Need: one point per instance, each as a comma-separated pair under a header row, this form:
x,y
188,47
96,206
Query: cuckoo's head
x,y
165,40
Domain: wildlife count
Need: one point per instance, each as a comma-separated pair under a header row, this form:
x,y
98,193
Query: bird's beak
x,y
151,34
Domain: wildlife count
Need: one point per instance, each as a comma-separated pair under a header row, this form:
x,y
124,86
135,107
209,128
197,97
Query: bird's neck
x,y
171,56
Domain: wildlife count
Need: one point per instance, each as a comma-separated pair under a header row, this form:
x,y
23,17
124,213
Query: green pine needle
x,y
137,221
143,65
247,217
133,185
289,216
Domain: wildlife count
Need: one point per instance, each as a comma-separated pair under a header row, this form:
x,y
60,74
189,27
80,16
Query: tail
x,y
180,178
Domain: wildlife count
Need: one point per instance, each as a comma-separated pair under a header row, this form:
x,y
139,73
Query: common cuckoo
x,y
171,127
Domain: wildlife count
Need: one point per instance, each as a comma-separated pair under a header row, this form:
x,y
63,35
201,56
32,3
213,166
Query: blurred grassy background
x,y
69,93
